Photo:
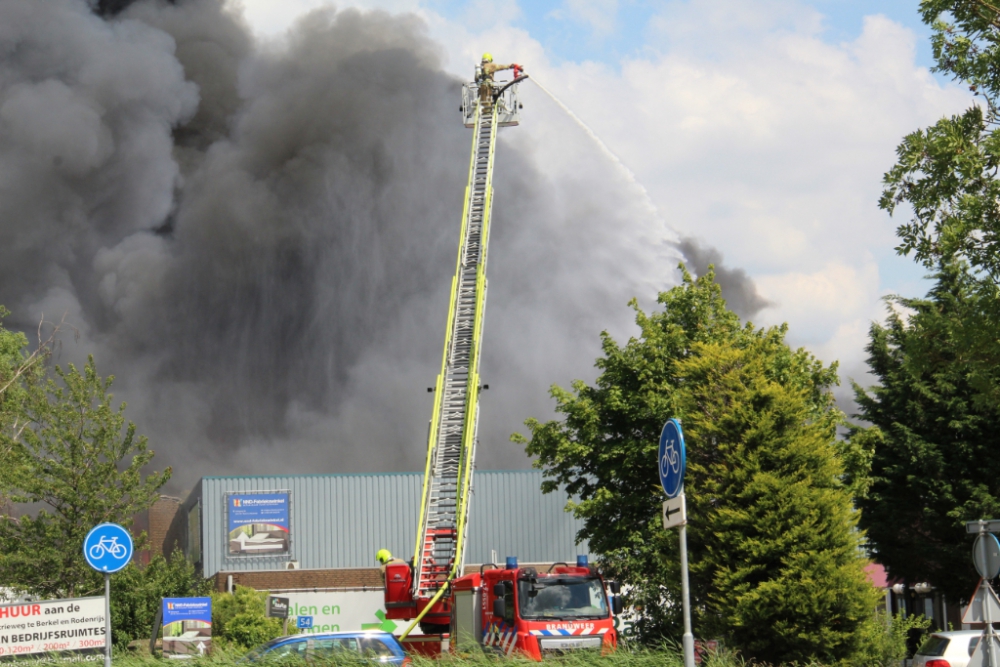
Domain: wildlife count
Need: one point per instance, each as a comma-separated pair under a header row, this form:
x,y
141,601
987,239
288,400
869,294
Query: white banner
x,y
51,625
339,610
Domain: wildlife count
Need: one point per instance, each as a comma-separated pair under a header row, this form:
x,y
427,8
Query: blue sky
x,y
566,39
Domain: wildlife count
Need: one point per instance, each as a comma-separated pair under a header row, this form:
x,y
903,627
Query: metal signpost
x,y
672,463
107,548
986,557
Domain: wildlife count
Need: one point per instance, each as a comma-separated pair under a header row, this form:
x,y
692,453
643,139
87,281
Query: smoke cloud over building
x,y
258,241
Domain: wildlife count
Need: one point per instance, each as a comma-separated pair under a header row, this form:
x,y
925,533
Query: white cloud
x,y
599,15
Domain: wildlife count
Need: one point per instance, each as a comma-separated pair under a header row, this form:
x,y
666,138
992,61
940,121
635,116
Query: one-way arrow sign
x,y
675,512
974,612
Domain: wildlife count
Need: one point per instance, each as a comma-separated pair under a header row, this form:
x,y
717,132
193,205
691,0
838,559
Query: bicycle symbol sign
x,y
672,458
108,547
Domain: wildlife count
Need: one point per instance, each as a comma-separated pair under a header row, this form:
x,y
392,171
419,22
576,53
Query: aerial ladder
x,y
439,553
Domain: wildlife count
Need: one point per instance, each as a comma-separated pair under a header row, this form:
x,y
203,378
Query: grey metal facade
x,y
340,521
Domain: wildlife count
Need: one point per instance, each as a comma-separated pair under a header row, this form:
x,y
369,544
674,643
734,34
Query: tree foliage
x,y
946,175
79,460
933,446
772,530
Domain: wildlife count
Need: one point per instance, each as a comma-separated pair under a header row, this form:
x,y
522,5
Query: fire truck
x,y
504,609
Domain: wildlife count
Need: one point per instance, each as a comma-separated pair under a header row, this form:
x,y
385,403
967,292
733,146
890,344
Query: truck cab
x,y
535,613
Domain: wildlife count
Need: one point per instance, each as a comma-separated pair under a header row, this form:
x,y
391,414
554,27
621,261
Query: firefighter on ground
x,y
384,557
484,77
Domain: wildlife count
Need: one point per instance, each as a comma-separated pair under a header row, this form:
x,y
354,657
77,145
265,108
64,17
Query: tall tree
x,y
772,529
946,177
933,446
79,460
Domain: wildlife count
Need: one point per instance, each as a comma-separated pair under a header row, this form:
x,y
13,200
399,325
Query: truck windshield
x,y
562,598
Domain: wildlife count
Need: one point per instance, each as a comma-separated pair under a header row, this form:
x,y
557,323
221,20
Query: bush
x,y
239,619
883,639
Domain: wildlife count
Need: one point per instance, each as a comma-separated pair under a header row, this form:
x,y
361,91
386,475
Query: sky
x,y
762,128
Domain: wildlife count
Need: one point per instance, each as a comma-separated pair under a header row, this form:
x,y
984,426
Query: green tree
x,y
137,592
775,560
79,460
933,446
946,176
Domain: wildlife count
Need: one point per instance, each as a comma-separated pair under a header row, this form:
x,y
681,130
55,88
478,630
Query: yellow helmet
x,y
487,57
383,556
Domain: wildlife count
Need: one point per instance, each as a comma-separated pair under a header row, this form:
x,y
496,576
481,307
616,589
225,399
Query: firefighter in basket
x,y
484,77
384,557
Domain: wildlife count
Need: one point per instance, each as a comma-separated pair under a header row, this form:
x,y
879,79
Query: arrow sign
x,y
974,612
675,512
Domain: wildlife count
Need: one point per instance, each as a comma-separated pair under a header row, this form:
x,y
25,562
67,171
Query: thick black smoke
x,y
738,289
258,242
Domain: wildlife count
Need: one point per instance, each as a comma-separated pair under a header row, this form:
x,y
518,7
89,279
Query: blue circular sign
x,y
108,547
672,458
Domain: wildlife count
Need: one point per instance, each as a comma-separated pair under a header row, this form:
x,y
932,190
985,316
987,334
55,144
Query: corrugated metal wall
x,y
342,520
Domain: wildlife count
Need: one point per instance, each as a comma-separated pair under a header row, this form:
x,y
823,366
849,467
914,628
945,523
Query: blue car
x,y
369,646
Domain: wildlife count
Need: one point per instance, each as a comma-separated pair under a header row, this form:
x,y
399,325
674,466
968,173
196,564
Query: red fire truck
x,y
515,609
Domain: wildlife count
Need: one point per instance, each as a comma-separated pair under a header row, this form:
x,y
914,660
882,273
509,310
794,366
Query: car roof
x,y
340,633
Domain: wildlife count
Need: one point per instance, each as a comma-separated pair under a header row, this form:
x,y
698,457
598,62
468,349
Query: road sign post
x,y
986,558
672,464
107,548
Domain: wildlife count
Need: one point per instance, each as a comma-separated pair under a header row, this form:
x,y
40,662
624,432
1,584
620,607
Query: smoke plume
x,y
738,289
258,241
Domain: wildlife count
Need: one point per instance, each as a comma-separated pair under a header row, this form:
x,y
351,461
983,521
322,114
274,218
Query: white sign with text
x,y
51,626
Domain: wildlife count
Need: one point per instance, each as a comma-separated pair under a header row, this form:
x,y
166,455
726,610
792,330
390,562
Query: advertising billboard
x,y
187,627
258,524
53,626
332,611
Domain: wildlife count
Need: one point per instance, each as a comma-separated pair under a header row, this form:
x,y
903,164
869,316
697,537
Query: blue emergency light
x,y
511,562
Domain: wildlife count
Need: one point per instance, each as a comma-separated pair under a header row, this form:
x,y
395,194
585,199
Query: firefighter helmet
x,y
383,556
487,57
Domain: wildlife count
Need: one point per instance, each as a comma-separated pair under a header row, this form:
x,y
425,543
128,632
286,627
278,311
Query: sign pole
x,y
107,619
987,616
672,463
687,641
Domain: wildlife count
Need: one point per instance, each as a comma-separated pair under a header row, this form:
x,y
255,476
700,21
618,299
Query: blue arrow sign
x,y
108,547
672,458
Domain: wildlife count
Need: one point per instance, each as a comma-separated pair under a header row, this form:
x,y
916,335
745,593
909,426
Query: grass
x,y
666,656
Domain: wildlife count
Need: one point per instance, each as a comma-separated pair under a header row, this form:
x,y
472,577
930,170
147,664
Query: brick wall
x,y
162,528
265,580
362,577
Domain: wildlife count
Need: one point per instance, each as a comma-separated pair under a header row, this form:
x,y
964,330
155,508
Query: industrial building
x,y
327,528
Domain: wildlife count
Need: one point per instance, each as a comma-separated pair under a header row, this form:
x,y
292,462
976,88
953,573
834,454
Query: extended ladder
x,y
439,552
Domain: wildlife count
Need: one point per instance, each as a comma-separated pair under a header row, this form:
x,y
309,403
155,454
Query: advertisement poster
x,y
341,610
258,524
187,627
51,626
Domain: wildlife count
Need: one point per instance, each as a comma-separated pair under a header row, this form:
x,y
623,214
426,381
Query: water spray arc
x,y
607,152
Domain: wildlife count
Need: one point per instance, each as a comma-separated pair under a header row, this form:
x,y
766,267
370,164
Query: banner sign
x,y
258,523
340,610
187,626
52,626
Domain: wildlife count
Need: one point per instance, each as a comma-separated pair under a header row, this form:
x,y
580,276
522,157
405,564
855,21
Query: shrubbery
x,y
239,619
